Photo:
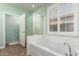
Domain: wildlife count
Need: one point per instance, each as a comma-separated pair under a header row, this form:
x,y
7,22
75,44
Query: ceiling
x,y
28,6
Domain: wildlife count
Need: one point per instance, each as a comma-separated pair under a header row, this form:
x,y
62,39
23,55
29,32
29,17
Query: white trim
x,y
45,23
13,43
4,13
20,32
4,28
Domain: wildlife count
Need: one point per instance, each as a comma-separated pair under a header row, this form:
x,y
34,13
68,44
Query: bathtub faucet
x,y
70,52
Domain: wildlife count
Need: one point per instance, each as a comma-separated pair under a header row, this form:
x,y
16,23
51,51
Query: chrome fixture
x,y
70,52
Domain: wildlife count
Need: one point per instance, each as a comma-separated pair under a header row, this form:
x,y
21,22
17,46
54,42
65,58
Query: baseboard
x,y
2,47
13,43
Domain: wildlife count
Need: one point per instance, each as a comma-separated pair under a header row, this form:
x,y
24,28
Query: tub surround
x,y
53,43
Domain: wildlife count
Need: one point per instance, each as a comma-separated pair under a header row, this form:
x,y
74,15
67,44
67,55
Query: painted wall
x,y
29,22
10,9
38,24
43,13
11,28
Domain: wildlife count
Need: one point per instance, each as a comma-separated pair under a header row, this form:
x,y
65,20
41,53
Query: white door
x,y
22,30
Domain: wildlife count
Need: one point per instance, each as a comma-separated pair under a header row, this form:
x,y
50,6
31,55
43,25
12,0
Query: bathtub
x,y
37,50
47,45
46,48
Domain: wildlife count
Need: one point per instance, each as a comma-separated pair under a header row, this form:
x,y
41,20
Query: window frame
x,y
75,13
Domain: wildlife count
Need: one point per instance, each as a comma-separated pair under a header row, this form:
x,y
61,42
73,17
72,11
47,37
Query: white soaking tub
x,y
48,45
46,48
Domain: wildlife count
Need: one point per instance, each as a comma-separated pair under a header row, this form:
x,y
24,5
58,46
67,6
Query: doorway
x,y
11,29
14,29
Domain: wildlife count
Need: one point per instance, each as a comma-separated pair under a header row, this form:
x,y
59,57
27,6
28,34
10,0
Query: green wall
x,y
29,24
11,28
10,9
1,30
28,20
42,12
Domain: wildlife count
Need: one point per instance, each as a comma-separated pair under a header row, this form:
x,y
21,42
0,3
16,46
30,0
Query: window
x,y
62,27
69,27
53,25
62,19
67,23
